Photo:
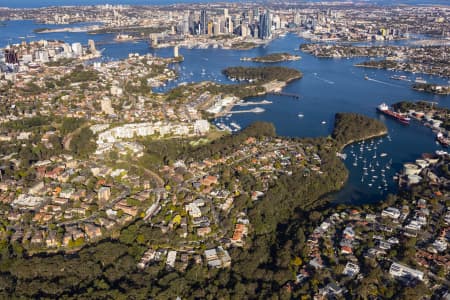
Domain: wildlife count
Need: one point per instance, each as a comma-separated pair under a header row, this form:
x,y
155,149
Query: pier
x,y
249,103
295,96
255,110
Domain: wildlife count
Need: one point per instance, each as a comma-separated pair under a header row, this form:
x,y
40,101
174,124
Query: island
x,y
272,58
262,74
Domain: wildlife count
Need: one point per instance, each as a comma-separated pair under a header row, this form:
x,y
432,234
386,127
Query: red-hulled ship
x,y
384,109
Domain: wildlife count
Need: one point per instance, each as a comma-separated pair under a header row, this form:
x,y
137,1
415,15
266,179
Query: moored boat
x,y
444,141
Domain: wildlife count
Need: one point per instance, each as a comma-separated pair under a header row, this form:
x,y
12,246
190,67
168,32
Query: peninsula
x,y
351,127
261,181
432,88
424,59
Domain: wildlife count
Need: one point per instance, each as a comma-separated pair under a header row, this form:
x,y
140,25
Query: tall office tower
x,y
230,25
277,21
185,24
203,22
192,23
11,57
154,40
210,28
255,31
244,29
77,49
91,45
255,13
250,16
297,18
216,27
265,26
225,13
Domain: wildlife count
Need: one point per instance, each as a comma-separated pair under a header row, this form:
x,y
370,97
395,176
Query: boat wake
x,y
324,80
383,82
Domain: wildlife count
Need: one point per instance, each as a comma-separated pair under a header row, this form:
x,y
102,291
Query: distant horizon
x,y
47,3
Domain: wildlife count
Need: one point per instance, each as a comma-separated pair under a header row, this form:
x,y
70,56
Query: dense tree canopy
x,y
350,127
263,74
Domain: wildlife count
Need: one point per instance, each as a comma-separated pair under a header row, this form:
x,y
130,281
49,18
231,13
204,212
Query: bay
x,y
328,86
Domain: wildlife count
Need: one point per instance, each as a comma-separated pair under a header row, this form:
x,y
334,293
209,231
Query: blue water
x,y
44,3
328,86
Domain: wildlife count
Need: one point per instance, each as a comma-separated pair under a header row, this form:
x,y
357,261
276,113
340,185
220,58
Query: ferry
x,y
400,77
420,80
300,115
384,109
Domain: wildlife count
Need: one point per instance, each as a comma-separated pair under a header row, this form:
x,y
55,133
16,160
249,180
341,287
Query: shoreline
x,y
281,85
369,137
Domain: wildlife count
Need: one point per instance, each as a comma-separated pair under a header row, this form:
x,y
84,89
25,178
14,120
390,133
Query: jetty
x,y
255,110
249,103
295,96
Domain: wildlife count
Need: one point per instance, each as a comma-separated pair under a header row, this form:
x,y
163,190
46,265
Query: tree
x,y
315,216
82,143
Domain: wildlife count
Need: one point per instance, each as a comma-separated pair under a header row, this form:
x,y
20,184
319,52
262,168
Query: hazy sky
x,y
41,3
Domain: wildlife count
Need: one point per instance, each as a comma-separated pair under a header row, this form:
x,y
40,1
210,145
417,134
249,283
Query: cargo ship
x,y
384,109
445,142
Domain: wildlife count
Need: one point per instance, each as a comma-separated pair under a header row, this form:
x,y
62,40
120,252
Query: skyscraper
x,y
265,26
203,22
185,24
229,25
11,57
91,45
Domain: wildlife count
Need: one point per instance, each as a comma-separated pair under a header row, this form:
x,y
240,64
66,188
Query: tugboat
x,y
384,109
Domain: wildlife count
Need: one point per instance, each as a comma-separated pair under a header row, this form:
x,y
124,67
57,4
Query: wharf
x,y
249,103
255,110
295,96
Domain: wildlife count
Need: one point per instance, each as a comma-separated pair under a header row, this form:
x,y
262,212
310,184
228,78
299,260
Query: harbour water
x,y
328,86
